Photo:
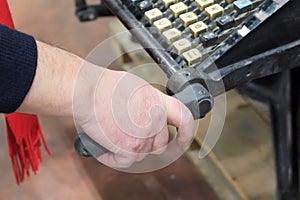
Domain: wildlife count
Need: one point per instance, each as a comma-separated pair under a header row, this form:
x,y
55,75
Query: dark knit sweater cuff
x,y
18,62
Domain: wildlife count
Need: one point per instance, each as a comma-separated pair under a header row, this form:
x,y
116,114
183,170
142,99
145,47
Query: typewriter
x,y
187,37
191,30
207,47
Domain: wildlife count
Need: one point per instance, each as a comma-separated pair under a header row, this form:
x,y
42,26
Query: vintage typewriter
x,y
207,47
187,37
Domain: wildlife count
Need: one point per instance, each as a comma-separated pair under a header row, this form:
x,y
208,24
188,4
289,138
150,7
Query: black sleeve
x,y
18,62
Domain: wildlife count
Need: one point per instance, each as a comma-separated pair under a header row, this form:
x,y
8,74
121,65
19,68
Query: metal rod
x,y
281,59
147,40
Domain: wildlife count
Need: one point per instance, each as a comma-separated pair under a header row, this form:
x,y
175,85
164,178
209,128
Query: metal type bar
x,y
281,59
144,37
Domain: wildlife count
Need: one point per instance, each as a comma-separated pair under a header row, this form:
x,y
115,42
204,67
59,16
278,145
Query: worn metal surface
x,y
282,93
281,59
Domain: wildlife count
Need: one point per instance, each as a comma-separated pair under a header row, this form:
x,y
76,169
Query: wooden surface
x,y
243,153
65,175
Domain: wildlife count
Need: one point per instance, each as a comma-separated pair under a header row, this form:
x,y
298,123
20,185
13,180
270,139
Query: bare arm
x,y
118,110
51,91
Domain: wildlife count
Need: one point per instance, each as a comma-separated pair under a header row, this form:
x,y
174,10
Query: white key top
x,y
214,11
178,9
167,3
188,18
202,4
171,35
198,28
182,45
153,15
162,24
192,56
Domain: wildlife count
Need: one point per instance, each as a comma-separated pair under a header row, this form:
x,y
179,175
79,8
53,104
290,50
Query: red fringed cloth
x,y
24,134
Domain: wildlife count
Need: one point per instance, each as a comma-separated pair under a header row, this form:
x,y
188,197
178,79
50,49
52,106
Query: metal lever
x,y
87,147
198,100
194,96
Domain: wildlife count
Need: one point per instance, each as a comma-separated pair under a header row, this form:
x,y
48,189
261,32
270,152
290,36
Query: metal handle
x,y
87,147
198,100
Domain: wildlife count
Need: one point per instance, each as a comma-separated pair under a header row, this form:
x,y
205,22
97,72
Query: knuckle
x,y
137,145
125,162
158,114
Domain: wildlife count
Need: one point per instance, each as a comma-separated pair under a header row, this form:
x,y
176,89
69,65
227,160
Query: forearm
x,y
52,90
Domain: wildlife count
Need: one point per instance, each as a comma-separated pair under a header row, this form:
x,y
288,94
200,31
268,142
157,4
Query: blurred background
x,y
64,174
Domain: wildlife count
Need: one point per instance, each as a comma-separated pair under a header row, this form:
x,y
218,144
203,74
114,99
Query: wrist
x,y
91,81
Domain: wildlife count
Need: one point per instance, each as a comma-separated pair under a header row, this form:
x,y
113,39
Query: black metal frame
x,y
284,113
86,12
281,91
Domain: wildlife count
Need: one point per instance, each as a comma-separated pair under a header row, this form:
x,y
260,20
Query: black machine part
x,y
273,48
86,12
190,85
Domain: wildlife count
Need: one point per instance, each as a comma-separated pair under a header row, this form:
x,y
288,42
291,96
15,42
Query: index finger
x,y
181,117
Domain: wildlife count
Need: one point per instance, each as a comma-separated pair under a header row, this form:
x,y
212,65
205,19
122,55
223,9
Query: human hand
x,y
129,117
118,110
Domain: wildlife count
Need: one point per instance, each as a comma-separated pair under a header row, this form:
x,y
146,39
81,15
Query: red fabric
x,y
5,16
24,134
